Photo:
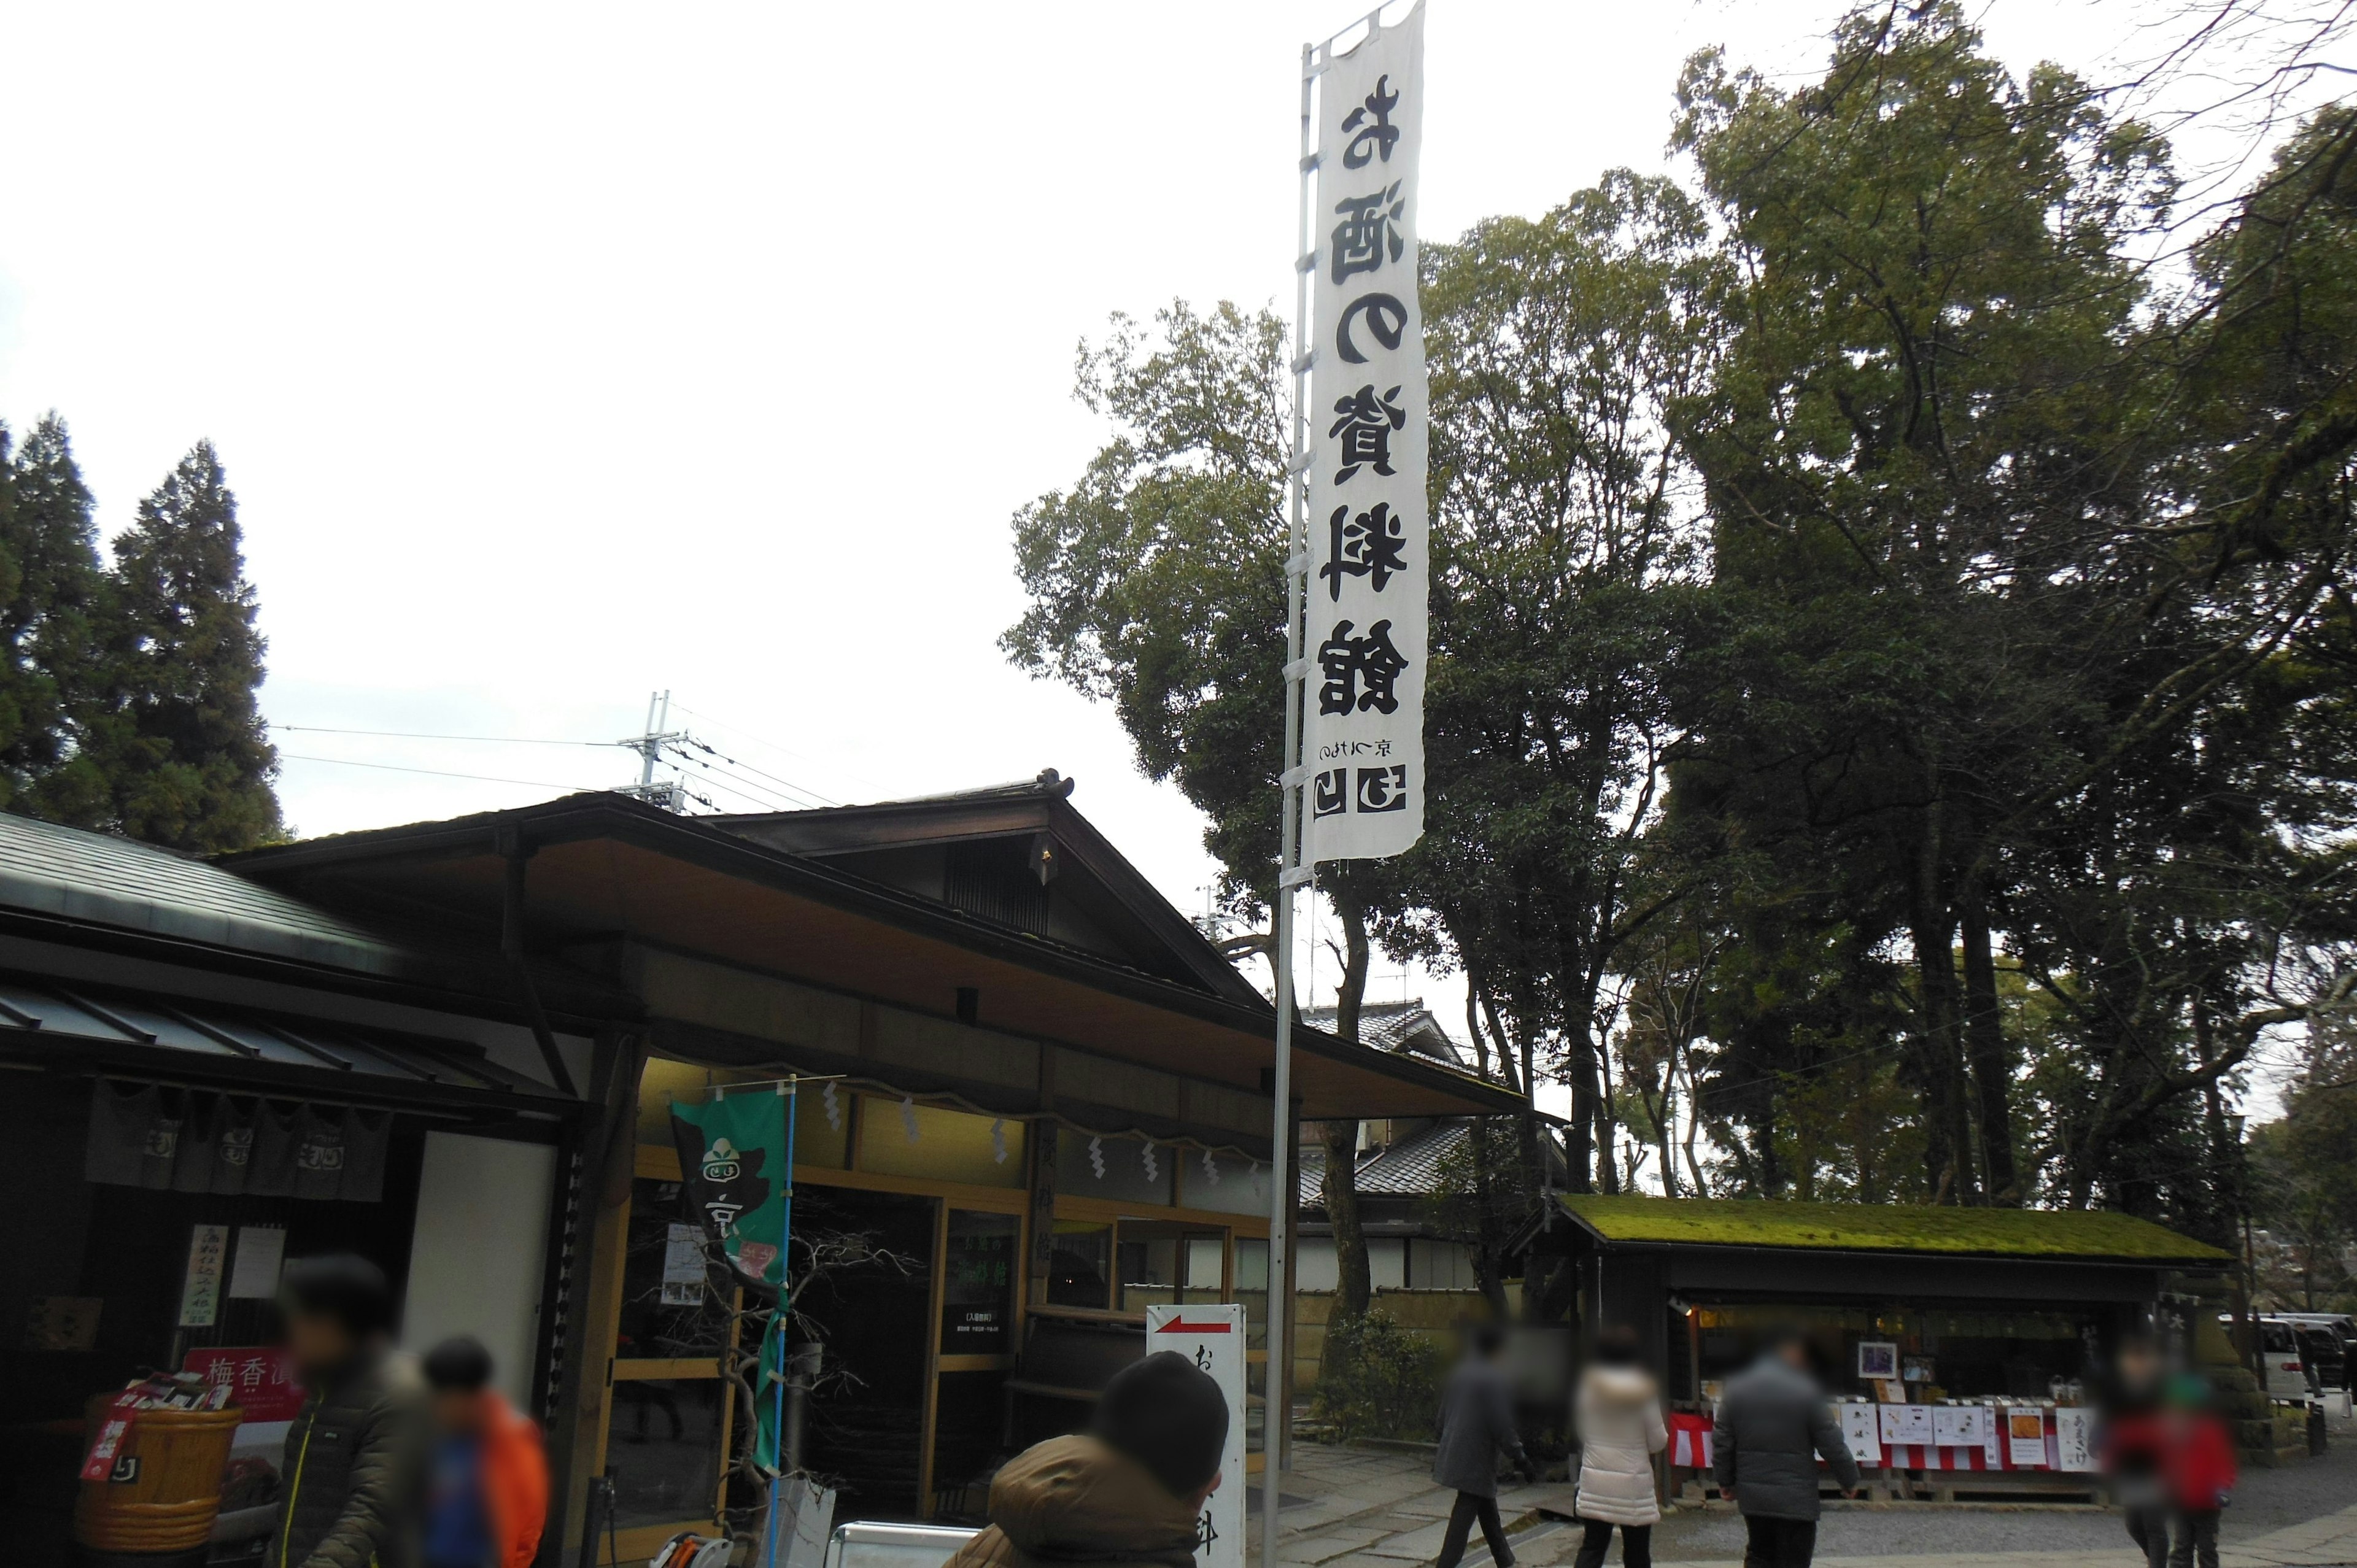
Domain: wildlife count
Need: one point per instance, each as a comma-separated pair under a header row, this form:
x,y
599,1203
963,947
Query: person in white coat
x,y
1617,1416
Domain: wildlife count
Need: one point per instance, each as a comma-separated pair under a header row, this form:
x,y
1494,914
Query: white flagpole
x,y
1276,1394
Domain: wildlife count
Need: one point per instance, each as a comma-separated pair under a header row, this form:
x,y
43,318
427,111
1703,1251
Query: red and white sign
x,y
1213,1338
260,1378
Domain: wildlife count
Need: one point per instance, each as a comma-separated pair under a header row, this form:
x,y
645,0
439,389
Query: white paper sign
x,y
1961,1426
1905,1423
1213,1338
2074,1438
201,1294
682,1275
1368,414
254,1273
2025,1426
1861,1431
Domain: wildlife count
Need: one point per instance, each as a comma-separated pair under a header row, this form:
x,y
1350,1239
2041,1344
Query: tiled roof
x,y
1401,1028
101,880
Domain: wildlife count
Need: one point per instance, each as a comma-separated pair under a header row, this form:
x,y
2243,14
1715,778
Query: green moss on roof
x,y
1887,1228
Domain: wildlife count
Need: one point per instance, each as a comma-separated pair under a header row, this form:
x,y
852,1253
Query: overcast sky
x,y
560,353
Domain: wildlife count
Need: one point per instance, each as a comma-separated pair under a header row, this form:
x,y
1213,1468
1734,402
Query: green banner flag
x,y
736,1157
732,1157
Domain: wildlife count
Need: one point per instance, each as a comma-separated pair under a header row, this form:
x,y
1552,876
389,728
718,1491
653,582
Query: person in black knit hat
x,y
1130,1490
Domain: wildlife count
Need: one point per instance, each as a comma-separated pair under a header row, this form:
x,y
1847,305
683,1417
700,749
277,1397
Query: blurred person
x,y
2132,1446
1130,1490
2201,1469
1617,1416
487,1483
1773,1425
1477,1425
351,1455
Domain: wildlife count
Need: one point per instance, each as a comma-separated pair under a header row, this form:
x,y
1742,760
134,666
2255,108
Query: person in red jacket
x,y
487,1489
2200,1468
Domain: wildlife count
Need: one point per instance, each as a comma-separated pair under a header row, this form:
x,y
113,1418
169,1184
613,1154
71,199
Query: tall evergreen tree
x,y
177,732
49,580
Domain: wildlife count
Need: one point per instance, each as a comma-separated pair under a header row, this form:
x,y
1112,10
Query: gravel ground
x,y
2266,1500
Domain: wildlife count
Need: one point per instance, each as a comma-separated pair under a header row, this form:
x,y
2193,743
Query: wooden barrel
x,y
171,1490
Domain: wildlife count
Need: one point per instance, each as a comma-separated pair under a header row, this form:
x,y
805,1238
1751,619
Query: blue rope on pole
x,y
778,1322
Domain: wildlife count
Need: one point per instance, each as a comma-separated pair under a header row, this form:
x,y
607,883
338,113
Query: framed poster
x,y
1878,1359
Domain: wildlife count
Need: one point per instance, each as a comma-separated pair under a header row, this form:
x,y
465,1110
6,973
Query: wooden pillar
x,y
577,1426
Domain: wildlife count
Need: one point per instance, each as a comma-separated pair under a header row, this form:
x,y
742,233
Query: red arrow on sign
x,y
1180,1326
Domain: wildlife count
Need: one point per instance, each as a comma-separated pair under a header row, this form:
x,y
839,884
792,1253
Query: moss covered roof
x,y
1887,1228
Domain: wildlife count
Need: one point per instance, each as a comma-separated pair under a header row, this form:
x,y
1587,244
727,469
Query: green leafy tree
x,y
1157,584
175,729
50,582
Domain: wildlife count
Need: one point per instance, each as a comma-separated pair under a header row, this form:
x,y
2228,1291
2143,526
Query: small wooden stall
x,y
1956,1342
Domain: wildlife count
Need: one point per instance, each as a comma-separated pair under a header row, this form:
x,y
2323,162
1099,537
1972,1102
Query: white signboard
x,y
1961,1426
2074,1438
1859,1430
1368,560
2025,1427
1213,1338
200,1293
1905,1423
261,1252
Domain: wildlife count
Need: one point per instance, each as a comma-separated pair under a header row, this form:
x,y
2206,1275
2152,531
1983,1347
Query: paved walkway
x,y
1353,1507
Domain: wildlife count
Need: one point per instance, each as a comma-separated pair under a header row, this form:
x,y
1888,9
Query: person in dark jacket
x,y
2133,1444
1773,1425
1128,1493
1477,1425
351,1469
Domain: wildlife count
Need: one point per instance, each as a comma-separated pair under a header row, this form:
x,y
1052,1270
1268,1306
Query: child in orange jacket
x,y
487,1487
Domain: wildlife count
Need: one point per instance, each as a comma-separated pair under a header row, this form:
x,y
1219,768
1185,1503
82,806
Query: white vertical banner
x,y
1368,563
1212,1337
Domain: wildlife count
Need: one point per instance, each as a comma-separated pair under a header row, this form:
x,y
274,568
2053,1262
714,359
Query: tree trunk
x,y
1940,1046
1353,1284
1488,1245
1992,1062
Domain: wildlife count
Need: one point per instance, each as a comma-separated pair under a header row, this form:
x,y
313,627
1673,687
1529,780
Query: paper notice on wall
x,y
2025,1432
2074,1433
1961,1426
1909,1424
1861,1431
201,1291
254,1273
682,1275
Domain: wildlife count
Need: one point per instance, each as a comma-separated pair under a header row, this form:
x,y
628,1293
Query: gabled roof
x,y
602,870
1402,1027
2048,1233
1119,914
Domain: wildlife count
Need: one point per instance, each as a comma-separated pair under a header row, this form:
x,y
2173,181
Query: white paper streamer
x,y
1150,1172
998,1141
1210,1168
1096,1157
833,1107
908,1117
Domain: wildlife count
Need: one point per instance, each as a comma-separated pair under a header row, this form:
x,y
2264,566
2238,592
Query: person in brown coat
x,y
1130,1491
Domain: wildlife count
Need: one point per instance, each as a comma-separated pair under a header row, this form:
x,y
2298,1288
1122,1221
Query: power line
x,y
415,734
441,773
784,751
799,794
766,798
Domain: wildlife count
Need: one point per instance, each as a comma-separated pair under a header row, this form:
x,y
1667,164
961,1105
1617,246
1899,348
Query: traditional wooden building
x,y
1034,1057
